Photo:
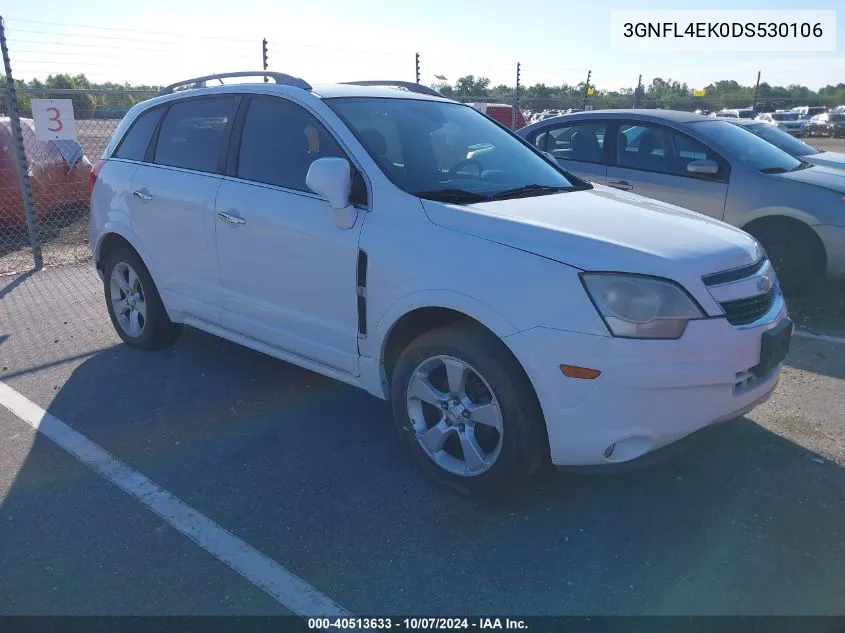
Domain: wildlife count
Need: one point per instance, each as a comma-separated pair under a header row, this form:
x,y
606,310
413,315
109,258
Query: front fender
x,y
489,317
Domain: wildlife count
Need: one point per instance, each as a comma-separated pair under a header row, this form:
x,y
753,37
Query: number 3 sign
x,y
53,119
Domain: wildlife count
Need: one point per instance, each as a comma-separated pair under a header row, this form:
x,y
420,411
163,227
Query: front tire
x,y
134,304
797,258
467,412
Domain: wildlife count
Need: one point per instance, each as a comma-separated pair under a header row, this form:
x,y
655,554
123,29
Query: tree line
x,y
110,99
659,93
106,100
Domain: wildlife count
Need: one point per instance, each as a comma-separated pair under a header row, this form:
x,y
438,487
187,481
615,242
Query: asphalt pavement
x,y
747,517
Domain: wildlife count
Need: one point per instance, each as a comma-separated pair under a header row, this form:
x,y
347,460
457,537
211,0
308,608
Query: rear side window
x,y
136,141
279,142
581,141
193,133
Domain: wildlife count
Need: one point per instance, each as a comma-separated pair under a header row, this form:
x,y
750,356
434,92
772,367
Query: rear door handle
x,y
143,194
624,185
228,217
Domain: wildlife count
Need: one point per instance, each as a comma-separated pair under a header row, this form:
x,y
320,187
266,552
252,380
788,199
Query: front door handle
x,y
624,185
143,194
228,217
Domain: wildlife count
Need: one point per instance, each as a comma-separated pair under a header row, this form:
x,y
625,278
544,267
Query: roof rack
x,y
279,78
407,85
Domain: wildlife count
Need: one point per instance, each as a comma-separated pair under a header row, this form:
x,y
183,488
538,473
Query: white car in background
x,y
793,123
512,313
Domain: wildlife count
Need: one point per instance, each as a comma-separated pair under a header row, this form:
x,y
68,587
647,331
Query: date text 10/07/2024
x,y
415,624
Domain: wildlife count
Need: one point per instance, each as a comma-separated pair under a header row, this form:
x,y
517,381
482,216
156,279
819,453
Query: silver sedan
x,y
796,210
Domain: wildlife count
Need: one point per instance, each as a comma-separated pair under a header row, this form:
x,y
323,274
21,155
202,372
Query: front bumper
x,y
650,393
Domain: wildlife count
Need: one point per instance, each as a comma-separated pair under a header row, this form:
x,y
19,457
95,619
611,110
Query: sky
x,y
555,41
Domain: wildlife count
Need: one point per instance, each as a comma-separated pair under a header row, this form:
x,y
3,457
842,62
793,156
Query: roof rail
x,y
279,78
407,85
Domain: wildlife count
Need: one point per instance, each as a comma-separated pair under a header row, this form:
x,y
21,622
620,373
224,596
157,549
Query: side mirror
x,y
704,167
331,178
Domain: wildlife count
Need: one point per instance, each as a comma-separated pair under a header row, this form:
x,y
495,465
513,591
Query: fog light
x,y
572,371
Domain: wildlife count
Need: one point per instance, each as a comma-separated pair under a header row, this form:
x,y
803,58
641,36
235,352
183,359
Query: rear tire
x,y
450,389
797,258
134,304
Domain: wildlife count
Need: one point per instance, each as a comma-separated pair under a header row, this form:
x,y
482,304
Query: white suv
x,y
511,312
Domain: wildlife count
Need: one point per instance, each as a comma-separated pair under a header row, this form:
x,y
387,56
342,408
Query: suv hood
x,y
820,176
606,229
826,159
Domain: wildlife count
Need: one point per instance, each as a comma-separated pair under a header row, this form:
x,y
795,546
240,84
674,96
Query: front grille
x,y
734,274
748,310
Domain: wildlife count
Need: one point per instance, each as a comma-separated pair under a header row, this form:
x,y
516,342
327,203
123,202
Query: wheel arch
x,y
790,224
423,312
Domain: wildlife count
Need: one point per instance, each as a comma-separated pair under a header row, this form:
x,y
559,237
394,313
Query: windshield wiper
x,y
802,165
528,190
773,170
457,196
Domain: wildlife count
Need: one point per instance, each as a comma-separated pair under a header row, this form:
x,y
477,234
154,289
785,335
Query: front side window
x,y
746,147
136,141
581,141
659,149
193,133
447,151
279,142
783,140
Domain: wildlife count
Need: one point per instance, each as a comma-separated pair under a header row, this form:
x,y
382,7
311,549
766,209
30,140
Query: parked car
x,y
792,146
828,124
512,312
791,122
809,111
715,168
818,125
58,175
725,114
502,113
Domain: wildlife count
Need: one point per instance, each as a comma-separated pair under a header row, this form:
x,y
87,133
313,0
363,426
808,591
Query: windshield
x,y
786,116
781,139
837,116
447,151
746,147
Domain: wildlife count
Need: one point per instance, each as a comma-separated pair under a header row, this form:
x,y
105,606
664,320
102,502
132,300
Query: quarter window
x,y
136,141
279,142
193,133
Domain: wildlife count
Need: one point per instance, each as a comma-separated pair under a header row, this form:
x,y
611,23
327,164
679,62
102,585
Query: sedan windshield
x,y
746,147
781,139
448,151
786,116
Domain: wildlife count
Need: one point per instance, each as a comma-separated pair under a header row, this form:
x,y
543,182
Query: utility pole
x,y
756,90
637,92
587,87
417,56
515,99
264,56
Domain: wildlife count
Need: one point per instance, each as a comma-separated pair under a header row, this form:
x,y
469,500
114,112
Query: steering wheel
x,y
465,163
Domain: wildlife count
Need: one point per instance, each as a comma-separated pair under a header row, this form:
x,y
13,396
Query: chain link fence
x,y
58,173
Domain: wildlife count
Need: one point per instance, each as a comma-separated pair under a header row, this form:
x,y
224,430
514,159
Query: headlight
x,y
634,306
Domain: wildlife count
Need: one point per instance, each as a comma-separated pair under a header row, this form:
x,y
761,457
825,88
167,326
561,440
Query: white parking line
x,y
289,590
820,337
